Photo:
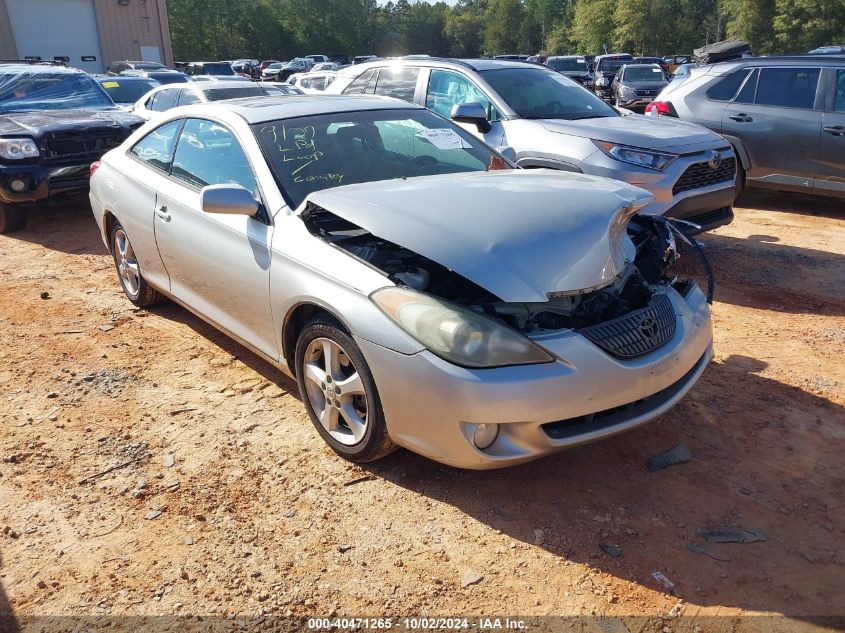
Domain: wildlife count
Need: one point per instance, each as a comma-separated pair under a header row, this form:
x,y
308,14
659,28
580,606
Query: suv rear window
x,y
727,87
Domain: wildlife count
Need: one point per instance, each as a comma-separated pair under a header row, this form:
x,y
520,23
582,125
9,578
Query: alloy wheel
x,y
127,264
335,391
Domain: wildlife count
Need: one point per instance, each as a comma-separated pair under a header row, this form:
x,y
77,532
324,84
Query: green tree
x,y
594,24
801,25
752,21
503,27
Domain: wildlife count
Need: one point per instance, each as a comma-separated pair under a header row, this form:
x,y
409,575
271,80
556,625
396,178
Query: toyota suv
x,y
54,122
784,116
550,121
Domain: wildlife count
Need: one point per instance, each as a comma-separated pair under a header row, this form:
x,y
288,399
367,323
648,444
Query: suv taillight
x,y
661,108
94,167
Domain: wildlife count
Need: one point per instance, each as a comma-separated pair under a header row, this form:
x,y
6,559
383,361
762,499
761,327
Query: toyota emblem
x,y
648,328
715,161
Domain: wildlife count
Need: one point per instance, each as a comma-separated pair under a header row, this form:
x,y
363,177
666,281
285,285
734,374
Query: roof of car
x,y
123,78
778,60
472,64
46,67
642,65
263,109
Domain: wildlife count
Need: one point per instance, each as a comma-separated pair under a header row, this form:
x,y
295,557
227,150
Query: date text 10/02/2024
x,y
412,623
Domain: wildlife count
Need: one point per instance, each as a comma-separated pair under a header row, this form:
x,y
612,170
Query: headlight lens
x,y
626,90
637,155
458,335
18,148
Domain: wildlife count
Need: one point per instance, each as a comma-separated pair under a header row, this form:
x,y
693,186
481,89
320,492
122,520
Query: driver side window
x,y
447,88
209,154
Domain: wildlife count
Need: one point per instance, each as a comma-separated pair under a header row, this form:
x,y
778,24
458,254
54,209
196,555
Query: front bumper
x,y
432,407
41,182
604,92
635,102
708,205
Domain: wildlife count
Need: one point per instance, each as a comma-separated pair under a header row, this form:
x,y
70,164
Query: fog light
x,y
485,435
18,186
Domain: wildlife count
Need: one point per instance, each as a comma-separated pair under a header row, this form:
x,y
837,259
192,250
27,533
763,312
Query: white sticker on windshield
x,y
445,139
656,70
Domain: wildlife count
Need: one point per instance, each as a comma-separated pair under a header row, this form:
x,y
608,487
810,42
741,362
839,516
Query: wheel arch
x,y
296,319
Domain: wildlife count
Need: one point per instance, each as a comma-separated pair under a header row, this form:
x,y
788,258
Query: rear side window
x,y
787,87
359,86
400,83
164,100
839,96
156,148
727,87
749,89
187,97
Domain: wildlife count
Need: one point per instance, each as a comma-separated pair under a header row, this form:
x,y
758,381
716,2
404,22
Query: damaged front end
x,y
634,301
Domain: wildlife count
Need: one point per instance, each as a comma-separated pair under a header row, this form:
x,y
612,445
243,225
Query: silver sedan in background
x,y
422,292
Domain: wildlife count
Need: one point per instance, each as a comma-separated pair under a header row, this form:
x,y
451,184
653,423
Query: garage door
x,y
57,28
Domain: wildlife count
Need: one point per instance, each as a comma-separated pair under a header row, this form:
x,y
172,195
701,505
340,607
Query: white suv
x,y
551,121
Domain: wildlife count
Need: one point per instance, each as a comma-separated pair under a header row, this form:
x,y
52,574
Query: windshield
x,y
571,65
221,94
646,73
29,91
273,67
611,65
544,94
308,154
122,91
217,69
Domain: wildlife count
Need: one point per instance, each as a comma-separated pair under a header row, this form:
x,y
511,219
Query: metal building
x,y
90,33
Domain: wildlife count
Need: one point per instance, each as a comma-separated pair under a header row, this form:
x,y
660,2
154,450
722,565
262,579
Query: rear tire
x,y
135,287
12,218
339,392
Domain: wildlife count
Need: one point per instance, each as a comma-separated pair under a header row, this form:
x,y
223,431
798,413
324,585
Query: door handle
x,y
741,117
162,213
836,130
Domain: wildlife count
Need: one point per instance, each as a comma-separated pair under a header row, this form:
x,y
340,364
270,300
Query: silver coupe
x,y
422,291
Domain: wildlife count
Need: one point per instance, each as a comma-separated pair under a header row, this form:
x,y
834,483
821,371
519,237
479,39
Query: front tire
x,y
135,287
740,179
12,218
339,393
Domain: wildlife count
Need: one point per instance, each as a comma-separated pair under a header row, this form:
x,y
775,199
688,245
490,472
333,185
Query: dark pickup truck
x,y
54,122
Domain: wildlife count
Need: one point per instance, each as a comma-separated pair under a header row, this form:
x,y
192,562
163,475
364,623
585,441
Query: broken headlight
x,y
18,148
455,334
637,155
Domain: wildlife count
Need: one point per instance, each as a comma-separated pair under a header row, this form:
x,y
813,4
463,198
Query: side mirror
x,y
230,199
508,152
471,113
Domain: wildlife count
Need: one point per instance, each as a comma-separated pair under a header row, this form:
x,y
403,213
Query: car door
x,y
830,177
774,116
447,88
217,264
153,155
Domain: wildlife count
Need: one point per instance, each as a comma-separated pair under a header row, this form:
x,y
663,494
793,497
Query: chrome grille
x,y
703,174
647,92
636,333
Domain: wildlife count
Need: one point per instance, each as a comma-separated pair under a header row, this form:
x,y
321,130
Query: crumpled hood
x,y
519,234
636,130
37,123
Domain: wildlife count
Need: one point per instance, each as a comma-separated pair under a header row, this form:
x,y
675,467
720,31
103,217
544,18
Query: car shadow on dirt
x,y
174,312
761,272
789,202
66,226
774,467
8,622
